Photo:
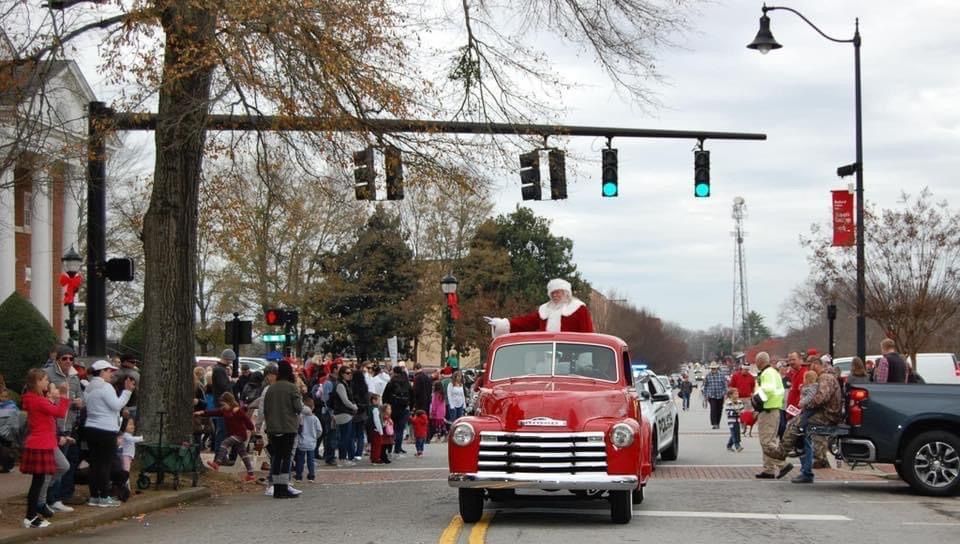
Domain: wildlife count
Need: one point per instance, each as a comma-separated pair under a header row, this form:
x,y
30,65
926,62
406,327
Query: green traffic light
x,y
609,189
701,190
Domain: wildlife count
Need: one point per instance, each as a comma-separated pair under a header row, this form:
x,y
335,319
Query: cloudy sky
x,y
661,248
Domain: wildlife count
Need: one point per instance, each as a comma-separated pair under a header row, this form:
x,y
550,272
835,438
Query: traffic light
x,y
275,317
394,173
609,173
701,174
530,175
558,175
364,175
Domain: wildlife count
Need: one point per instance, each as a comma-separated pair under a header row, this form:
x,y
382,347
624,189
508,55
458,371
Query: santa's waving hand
x,y
562,312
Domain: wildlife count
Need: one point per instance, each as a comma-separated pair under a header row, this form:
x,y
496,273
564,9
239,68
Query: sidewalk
x,y
13,491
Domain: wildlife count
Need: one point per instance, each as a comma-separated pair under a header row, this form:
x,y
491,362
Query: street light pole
x,y
448,285
765,42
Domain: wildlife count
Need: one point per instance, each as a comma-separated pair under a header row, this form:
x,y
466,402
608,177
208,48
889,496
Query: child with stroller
x,y
238,424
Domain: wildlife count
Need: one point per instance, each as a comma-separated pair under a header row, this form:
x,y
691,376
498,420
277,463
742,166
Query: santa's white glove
x,y
498,325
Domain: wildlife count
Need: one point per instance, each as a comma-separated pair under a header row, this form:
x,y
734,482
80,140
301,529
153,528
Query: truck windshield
x,y
549,359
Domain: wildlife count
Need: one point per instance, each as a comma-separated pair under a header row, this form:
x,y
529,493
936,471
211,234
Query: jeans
x,y
359,437
716,410
331,439
281,449
686,400
420,442
734,441
400,417
346,440
219,432
301,456
456,413
806,458
63,488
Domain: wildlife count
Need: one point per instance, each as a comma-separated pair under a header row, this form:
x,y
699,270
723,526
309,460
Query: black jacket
x,y
398,393
422,391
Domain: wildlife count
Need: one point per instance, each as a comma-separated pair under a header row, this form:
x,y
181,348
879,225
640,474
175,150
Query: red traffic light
x,y
274,316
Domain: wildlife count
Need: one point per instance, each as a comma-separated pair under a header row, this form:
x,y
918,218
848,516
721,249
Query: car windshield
x,y
554,359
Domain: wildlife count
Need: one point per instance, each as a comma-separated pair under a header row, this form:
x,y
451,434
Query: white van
x,y
933,367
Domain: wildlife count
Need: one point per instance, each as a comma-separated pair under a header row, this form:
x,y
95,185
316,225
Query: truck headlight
x,y
462,434
621,435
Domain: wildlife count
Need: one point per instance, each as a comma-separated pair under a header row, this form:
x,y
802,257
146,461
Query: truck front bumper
x,y
504,480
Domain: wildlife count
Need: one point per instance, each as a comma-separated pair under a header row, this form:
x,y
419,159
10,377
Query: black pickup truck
x,y
914,426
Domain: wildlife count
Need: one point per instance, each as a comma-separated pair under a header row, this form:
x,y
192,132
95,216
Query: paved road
x,y
707,495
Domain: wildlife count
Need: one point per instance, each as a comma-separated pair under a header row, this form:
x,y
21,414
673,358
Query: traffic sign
x,y
274,337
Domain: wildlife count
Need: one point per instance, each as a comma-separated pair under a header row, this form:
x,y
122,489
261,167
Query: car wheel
x,y
931,463
621,506
670,454
471,505
637,495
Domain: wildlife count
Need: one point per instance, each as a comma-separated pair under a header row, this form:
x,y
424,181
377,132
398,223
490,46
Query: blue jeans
x,y
686,401
734,441
346,441
359,437
400,417
299,458
331,439
806,458
456,413
219,432
420,442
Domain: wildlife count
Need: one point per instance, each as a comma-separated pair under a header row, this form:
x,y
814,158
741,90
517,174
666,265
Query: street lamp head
x,y
764,41
448,284
72,261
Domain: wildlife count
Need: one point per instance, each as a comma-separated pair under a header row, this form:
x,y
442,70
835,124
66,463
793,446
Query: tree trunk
x,y
170,224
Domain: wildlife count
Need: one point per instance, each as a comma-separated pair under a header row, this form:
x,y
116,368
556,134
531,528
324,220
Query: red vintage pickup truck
x,y
555,411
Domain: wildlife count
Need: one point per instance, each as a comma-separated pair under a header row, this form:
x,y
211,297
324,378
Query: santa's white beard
x,y
554,311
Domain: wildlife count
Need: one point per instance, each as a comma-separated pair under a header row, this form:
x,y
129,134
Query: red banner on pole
x,y
843,228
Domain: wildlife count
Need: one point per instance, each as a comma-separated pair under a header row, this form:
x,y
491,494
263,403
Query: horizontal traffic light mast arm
x,y
142,121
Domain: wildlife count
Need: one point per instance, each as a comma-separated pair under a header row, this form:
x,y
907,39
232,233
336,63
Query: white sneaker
x,y
358,458
109,502
35,523
293,490
60,507
269,491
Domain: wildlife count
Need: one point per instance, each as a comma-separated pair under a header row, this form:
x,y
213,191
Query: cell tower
x,y
740,327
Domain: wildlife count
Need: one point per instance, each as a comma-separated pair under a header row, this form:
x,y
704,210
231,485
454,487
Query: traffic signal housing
x,y
558,175
609,187
393,166
364,175
530,175
701,174
275,317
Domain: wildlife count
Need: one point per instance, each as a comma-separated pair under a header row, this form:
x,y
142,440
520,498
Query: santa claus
x,y
563,312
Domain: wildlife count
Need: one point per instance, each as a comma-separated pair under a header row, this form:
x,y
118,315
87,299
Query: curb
x,y
107,515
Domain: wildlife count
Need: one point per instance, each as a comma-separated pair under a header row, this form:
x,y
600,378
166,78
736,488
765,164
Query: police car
x,y
657,400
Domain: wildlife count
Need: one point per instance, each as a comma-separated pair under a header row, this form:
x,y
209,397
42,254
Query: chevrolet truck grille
x,y
542,453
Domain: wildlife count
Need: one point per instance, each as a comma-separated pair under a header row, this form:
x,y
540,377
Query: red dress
x,y
37,456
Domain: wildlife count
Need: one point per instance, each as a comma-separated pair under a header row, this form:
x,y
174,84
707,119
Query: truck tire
x,y
638,495
471,505
931,463
621,506
671,453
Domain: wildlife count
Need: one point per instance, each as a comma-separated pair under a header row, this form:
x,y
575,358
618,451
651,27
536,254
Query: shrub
x,y
132,340
26,338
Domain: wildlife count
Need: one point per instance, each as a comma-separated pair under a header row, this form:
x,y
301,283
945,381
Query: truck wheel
x,y
931,463
637,495
471,505
621,506
671,453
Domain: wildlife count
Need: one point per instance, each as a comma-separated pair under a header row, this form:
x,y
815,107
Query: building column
x,y
69,236
8,239
41,252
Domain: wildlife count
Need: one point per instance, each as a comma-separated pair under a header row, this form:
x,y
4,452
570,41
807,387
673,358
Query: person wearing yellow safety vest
x,y
770,391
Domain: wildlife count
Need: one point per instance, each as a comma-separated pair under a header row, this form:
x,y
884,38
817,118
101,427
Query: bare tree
x,y
913,262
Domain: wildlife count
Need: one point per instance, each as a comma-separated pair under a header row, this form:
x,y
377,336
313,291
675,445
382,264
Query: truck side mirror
x,y
644,394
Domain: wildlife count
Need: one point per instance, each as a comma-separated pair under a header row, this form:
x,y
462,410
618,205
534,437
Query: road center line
x,y
451,534
682,514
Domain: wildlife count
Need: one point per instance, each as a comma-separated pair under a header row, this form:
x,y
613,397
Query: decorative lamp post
x,y
765,42
448,285
70,280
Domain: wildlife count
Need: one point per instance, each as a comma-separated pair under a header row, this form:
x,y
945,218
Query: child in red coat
x,y
238,423
420,423
43,406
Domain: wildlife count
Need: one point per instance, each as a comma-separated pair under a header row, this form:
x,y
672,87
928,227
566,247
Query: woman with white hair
x,y
563,312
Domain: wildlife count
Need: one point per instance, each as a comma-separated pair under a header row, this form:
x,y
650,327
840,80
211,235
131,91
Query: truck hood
x,y
552,406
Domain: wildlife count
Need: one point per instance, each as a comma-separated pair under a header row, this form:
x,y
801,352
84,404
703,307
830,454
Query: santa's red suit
x,y
570,315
